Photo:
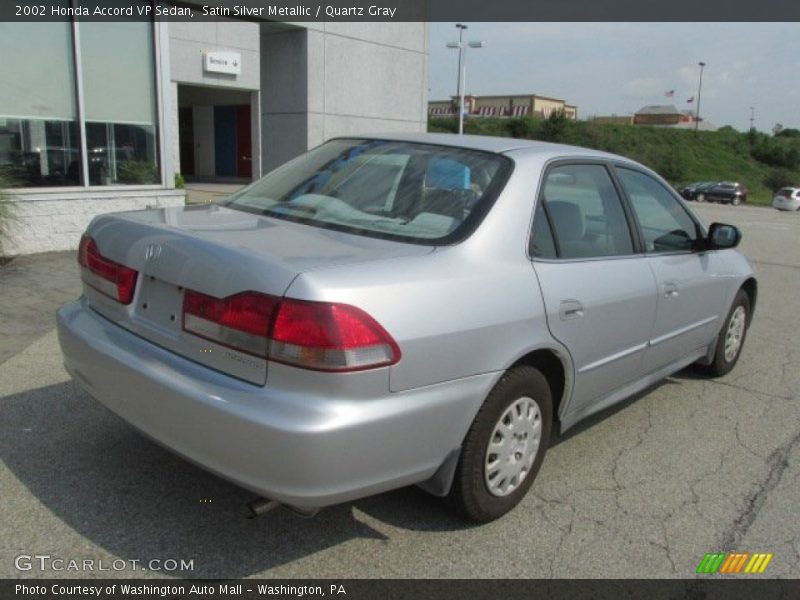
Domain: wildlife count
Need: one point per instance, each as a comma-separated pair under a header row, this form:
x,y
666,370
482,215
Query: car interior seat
x,y
570,229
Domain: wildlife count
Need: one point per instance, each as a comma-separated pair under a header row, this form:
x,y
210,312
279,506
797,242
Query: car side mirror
x,y
721,236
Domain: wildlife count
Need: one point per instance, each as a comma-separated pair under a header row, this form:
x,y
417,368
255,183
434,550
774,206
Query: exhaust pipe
x,y
261,506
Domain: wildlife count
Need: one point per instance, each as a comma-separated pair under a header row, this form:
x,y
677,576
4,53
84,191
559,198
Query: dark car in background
x,y
697,191
726,192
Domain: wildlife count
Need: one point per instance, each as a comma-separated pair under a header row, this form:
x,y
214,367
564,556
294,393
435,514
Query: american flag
x,y
669,94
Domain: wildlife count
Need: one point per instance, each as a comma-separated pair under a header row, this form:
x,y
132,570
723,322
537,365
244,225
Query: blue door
x,y
225,141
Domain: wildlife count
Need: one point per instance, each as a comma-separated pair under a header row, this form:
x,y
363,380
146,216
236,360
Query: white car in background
x,y
787,198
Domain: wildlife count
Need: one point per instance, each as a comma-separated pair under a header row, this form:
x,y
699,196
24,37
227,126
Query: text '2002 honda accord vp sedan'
x,y
416,310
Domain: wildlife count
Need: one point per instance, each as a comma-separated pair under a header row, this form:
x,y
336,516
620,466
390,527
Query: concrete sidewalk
x,y
203,193
31,289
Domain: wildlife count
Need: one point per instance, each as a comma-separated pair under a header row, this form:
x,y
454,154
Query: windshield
x,y
398,190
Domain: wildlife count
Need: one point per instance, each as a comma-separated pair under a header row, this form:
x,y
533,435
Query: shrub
x,y
137,172
554,128
778,178
180,182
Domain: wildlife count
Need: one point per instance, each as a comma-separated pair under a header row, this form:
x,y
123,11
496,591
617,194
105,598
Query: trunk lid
x,y
219,252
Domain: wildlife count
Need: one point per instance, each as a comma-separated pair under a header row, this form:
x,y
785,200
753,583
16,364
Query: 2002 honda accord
x,y
418,309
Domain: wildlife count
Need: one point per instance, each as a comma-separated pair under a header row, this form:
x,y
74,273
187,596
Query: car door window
x,y
665,223
584,209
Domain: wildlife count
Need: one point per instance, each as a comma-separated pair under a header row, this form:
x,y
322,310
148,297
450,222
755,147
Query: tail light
x,y
321,336
330,337
106,276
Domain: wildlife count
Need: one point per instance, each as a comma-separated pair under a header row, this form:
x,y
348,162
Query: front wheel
x,y
505,446
701,197
731,338
736,201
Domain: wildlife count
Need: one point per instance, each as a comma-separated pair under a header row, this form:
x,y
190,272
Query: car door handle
x,y
570,309
671,289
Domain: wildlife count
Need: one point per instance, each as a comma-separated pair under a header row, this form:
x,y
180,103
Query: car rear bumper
x,y
786,203
307,450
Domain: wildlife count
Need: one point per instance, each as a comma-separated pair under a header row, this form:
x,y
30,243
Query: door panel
x,y
186,139
603,312
244,150
690,284
602,305
689,309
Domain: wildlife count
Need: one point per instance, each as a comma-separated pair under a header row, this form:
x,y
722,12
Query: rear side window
x,y
582,212
665,224
410,192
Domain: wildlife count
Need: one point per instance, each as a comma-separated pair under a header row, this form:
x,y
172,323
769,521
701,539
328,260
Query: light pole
x,y
462,70
752,117
699,91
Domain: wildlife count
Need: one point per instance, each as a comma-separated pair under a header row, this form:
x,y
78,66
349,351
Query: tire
x,y
735,326
700,197
522,399
736,201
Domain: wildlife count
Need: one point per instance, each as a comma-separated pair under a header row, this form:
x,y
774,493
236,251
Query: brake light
x,y
322,336
106,276
330,337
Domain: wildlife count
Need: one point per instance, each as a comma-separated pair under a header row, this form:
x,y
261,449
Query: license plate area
x,y
160,305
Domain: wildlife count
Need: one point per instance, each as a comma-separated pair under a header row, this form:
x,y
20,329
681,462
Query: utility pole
x,y
752,117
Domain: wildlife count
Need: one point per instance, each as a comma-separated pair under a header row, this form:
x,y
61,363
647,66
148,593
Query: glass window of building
x,y
39,144
119,91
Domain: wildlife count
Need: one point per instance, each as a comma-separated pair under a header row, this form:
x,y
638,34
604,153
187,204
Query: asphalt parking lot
x,y
644,490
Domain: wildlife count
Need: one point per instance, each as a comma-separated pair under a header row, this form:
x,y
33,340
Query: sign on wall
x,y
222,62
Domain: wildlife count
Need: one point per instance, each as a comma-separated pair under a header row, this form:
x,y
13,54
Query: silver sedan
x,y
387,311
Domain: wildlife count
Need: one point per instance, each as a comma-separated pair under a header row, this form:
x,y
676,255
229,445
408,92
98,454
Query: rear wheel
x,y
731,338
701,197
505,446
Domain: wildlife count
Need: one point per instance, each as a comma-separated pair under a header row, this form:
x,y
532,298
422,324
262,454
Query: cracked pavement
x,y
643,490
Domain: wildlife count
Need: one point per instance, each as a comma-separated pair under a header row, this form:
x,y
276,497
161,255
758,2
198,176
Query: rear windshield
x,y
419,193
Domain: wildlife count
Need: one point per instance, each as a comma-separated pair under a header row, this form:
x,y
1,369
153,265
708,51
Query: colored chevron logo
x,y
734,563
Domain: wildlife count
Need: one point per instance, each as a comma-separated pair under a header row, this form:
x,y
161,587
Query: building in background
x,y
658,115
613,119
100,116
519,105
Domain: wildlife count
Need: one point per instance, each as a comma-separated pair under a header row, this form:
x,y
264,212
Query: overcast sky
x,y
616,68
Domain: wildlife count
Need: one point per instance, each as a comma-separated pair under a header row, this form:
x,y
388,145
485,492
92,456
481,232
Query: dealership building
x,y
102,116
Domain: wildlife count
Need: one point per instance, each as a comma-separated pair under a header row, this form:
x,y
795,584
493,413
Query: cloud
x,y
646,86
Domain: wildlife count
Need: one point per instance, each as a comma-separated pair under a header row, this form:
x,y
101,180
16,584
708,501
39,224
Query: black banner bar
x,y
709,588
402,10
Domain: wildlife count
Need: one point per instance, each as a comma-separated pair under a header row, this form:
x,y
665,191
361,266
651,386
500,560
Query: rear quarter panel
x,y
463,310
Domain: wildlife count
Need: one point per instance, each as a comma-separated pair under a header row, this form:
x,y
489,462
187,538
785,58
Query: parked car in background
x,y
726,192
693,190
420,309
787,198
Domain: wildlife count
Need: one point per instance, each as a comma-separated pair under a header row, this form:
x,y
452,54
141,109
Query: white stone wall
x,y
46,222
324,80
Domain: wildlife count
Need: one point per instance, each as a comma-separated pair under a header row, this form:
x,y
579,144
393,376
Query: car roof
x,y
498,145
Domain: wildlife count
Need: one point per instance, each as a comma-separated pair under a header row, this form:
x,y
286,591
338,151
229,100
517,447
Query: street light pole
x,y
461,74
752,117
462,71
699,91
